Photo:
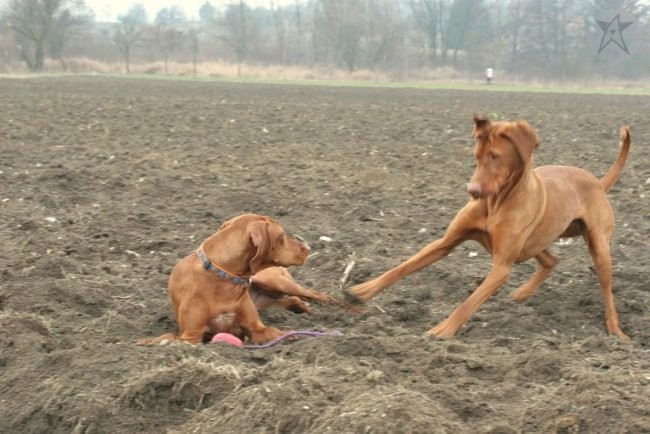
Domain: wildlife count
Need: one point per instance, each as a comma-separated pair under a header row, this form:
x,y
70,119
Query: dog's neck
x,y
234,259
522,185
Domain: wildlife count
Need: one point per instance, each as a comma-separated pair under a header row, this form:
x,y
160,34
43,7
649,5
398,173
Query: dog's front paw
x,y
160,340
616,331
360,294
444,330
352,297
265,335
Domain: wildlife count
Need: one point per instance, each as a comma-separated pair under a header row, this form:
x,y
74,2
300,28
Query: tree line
x,y
545,39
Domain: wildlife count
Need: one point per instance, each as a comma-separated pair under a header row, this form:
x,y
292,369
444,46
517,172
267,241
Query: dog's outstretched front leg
x,y
469,219
278,279
426,256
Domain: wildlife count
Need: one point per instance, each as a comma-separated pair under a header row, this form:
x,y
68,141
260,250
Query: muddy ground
x,y
106,183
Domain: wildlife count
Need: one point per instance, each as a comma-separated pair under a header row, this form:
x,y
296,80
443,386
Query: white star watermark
x,y
617,36
613,32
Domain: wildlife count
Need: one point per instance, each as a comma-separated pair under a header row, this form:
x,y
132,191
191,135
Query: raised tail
x,y
614,172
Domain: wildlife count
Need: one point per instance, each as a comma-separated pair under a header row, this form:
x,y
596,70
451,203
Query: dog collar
x,y
220,272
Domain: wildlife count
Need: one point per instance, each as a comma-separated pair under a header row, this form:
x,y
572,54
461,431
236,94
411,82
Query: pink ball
x,y
227,338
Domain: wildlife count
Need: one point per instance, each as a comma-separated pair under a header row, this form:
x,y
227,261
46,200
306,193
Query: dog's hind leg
x,y
547,262
598,244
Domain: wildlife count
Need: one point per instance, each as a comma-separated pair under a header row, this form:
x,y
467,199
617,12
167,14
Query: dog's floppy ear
x,y
524,138
258,231
482,126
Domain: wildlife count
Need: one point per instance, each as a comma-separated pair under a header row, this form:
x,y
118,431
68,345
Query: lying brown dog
x,y
515,212
236,271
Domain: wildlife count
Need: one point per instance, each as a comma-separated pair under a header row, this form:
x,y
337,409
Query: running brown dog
x,y
236,271
515,212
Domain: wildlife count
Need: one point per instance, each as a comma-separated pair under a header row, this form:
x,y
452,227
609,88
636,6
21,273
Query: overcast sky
x,y
109,10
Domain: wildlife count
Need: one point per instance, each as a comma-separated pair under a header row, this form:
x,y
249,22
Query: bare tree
x,y
302,35
382,32
427,15
207,12
193,42
167,34
280,30
515,19
60,32
241,31
34,21
129,31
168,40
459,22
539,40
338,28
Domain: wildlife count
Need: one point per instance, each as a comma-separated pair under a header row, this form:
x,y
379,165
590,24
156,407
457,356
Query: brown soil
x,y
106,183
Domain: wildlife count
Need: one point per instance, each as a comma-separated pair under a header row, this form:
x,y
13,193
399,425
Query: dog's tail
x,y
614,172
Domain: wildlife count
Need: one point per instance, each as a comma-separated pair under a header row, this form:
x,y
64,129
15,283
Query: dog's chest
x,y
222,322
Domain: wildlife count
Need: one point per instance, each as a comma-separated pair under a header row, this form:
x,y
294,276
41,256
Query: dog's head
x,y
273,246
503,151
255,242
263,241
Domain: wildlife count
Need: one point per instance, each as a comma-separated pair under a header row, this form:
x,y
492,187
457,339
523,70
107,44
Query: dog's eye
x,y
493,156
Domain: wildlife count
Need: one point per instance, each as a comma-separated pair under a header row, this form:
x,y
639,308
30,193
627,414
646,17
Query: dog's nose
x,y
474,189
